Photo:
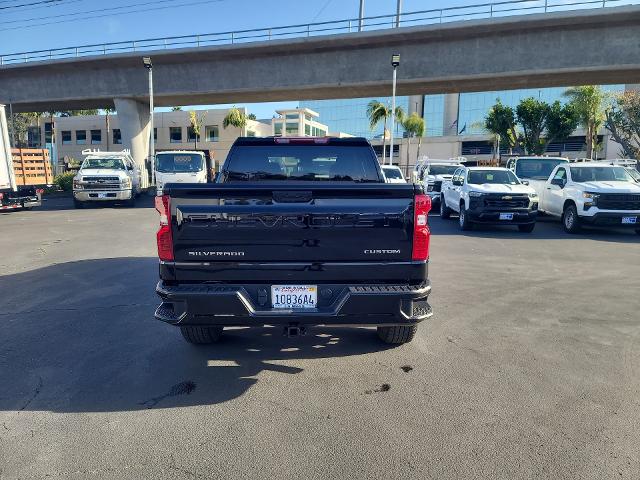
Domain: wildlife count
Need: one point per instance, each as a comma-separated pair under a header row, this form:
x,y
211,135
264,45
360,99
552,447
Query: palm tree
x,y
589,103
235,118
414,125
379,112
196,122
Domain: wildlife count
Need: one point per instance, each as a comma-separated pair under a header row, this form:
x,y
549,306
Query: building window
x,y
117,136
292,116
81,137
307,130
175,134
277,128
66,137
212,133
251,133
155,134
33,137
292,128
191,135
48,132
96,137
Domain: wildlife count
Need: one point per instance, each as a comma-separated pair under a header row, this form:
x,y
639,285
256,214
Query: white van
x,y
180,166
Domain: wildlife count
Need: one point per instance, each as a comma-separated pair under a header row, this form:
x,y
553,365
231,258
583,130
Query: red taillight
x,y
40,191
164,237
421,231
1,195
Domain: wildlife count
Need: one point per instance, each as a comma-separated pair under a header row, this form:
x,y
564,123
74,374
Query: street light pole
x,y
361,16
152,142
398,13
395,61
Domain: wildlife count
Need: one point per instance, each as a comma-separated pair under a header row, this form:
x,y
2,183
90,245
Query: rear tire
x,y
397,335
570,219
201,335
463,220
528,228
445,212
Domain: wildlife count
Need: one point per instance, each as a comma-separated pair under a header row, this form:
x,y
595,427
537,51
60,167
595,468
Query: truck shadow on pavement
x,y
80,337
59,202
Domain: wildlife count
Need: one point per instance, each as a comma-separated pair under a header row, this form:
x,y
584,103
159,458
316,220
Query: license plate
x,y
294,296
506,216
629,220
102,195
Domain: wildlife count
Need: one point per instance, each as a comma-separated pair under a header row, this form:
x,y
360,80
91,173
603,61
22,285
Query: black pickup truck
x,y
295,232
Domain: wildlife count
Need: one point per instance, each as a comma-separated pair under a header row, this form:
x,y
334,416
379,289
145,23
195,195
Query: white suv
x,y
592,194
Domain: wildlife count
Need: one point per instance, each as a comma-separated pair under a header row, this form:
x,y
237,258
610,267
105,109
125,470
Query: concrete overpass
x,y
553,49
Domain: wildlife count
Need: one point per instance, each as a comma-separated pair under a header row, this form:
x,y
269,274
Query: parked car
x,y
106,176
180,166
393,174
489,195
296,232
433,176
592,194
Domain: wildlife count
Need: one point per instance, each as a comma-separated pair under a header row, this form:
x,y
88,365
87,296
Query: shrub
x,y
65,181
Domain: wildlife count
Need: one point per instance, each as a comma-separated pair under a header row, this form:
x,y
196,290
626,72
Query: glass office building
x,y
350,115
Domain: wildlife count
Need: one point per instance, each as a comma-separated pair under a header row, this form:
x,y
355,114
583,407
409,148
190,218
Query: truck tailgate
x,y
292,223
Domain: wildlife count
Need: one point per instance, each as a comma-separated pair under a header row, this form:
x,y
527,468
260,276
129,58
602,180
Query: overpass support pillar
x,y
451,110
133,118
416,104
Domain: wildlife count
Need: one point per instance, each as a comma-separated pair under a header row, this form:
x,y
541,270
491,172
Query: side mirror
x,y
560,182
525,182
457,183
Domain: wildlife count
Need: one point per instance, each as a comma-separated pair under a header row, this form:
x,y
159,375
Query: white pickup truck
x,y
591,194
489,195
106,176
434,174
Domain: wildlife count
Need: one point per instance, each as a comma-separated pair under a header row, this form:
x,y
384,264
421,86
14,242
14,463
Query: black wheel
x,y
463,220
445,212
201,335
77,204
397,335
528,228
570,219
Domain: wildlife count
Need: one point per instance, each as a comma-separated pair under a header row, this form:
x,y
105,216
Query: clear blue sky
x,y
63,23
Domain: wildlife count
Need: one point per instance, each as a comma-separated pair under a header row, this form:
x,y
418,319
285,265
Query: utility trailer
x,y
12,196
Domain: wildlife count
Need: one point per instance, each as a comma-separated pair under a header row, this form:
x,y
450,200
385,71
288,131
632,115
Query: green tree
x,y
196,122
531,115
379,112
235,118
589,102
623,121
78,113
176,109
501,122
415,126
252,116
561,122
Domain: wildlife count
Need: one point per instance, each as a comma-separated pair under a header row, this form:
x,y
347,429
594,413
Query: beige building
x,y
298,122
172,131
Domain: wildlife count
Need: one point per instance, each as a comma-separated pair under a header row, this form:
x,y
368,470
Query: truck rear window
x,y
304,163
536,168
178,162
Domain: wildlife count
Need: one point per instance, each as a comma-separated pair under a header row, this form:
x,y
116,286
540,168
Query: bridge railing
x,y
349,25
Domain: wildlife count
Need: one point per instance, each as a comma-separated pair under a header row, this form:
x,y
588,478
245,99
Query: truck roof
x,y
255,141
180,151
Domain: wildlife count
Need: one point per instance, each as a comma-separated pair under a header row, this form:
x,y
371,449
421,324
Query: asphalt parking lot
x,y
530,367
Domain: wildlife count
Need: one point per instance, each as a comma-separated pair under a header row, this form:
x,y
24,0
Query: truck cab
x,y
436,172
180,166
592,194
106,176
534,171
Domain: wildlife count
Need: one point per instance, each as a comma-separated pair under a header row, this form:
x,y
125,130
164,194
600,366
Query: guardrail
x,y
349,25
